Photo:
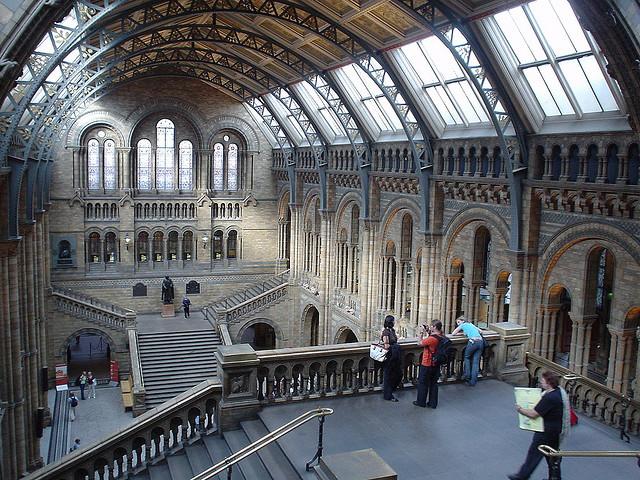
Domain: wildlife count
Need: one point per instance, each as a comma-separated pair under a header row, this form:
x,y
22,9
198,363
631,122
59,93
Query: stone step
x,y
272,456
199,458
218,451
162,346
153,374
252,467
183,356
179,466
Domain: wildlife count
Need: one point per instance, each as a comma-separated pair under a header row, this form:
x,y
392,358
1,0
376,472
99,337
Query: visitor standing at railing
x,y
391,364
429,372
473,350
553,407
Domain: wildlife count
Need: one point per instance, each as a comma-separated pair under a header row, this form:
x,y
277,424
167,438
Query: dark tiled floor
x,y
472,434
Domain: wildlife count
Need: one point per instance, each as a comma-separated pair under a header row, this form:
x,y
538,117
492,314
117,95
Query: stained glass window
x,y
164,154
218,167
144,164
93,164
109,165
559,61
232,167
186,165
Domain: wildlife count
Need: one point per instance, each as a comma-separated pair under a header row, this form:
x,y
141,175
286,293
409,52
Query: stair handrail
x,y
554,456
281,276
269,438
91,301
137,383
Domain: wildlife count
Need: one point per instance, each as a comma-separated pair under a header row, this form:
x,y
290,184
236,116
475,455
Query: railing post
x,y
318,454
509,356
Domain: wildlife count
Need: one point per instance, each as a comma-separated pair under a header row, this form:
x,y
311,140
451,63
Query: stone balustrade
x,y
262,300
93,310
150,438
137,380
591,398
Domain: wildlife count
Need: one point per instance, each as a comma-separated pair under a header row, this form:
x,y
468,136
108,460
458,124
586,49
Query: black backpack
x,y
441,356
74,402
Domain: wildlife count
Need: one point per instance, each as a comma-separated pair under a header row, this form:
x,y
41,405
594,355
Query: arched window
x,y
218,167
172,246
110,250
407,236
110,165
355,225
143,247
158,240
144,165
187,246
93,164
185,172
217,245
94,248
232,167
232,244
164,154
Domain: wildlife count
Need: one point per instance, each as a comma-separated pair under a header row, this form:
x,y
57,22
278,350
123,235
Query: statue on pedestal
x,y
167,291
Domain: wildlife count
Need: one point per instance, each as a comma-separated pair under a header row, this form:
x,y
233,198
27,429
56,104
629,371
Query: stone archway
x,y
346,335
88,350
260,335
311,326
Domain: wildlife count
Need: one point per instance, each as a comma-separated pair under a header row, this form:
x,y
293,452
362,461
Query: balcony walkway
x,y
472,434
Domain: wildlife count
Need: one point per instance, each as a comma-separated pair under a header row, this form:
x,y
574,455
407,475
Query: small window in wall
x,y
232,243
217,245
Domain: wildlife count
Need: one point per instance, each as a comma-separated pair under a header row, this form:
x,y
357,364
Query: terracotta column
x,y
620,358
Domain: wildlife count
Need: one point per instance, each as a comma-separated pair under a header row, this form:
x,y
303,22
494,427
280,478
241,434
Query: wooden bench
x,y
127,394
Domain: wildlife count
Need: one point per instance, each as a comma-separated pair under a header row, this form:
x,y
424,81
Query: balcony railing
x,y
592,398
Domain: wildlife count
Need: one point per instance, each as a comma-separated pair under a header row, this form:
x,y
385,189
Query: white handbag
x,y
377,352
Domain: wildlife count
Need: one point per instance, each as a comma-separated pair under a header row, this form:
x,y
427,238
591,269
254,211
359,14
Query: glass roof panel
x,y
562,36
313,99
520,35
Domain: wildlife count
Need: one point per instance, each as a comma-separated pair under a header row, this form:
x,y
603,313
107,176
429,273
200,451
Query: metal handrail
x,y
271,437
554,456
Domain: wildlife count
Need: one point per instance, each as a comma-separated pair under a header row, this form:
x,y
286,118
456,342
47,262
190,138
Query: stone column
x,y
237,370
619,357
635,386
564,164
367,269
582,164
583,343
124,154
497,307
297,243
327,269
510,355
623,169
603,163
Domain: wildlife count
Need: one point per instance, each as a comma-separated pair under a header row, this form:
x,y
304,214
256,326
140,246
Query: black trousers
x,y
428,385
391,376
534,456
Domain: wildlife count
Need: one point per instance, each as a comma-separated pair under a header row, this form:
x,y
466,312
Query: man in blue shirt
x,y
473,350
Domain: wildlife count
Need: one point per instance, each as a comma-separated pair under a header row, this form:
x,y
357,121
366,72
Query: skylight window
x,y
315,102
559,61
445,83
379,108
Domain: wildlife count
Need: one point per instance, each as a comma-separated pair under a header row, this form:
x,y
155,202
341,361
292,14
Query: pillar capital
x,y
8,248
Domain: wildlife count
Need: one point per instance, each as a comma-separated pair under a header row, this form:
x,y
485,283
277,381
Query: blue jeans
x,y
472,354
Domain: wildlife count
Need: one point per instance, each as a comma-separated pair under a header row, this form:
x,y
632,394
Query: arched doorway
x,y
88,351
311,326
346,336
261,336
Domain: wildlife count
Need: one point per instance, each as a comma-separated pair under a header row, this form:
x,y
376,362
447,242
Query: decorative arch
x,y
345,335
228,122
93,118
62,347
311,325
253,321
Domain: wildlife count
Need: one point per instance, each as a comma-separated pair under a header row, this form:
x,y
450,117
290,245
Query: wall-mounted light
x,y
127,241
205,239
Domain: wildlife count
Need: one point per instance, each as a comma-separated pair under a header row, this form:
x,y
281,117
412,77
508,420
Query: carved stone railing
x,y
137,380
293,374
93,310
592,398
155,434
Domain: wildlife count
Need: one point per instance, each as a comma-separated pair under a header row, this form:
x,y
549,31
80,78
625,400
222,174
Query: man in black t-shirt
x,y
550,408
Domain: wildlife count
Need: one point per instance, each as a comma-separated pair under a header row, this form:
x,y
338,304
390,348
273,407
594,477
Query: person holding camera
x,y
429,371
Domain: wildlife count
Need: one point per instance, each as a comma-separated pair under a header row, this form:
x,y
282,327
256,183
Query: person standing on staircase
x,y
186,303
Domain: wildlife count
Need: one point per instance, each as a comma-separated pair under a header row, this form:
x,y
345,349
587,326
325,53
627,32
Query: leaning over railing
x,y
291,374
228,463
554,456
592,398
150,437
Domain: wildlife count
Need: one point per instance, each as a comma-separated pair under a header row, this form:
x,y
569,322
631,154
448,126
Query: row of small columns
x,y
582,157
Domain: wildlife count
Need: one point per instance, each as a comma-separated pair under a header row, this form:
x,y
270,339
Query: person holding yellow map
x,y
553,407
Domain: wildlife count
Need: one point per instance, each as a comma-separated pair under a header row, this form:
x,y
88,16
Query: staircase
x,y
173,362
230,302
269,463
